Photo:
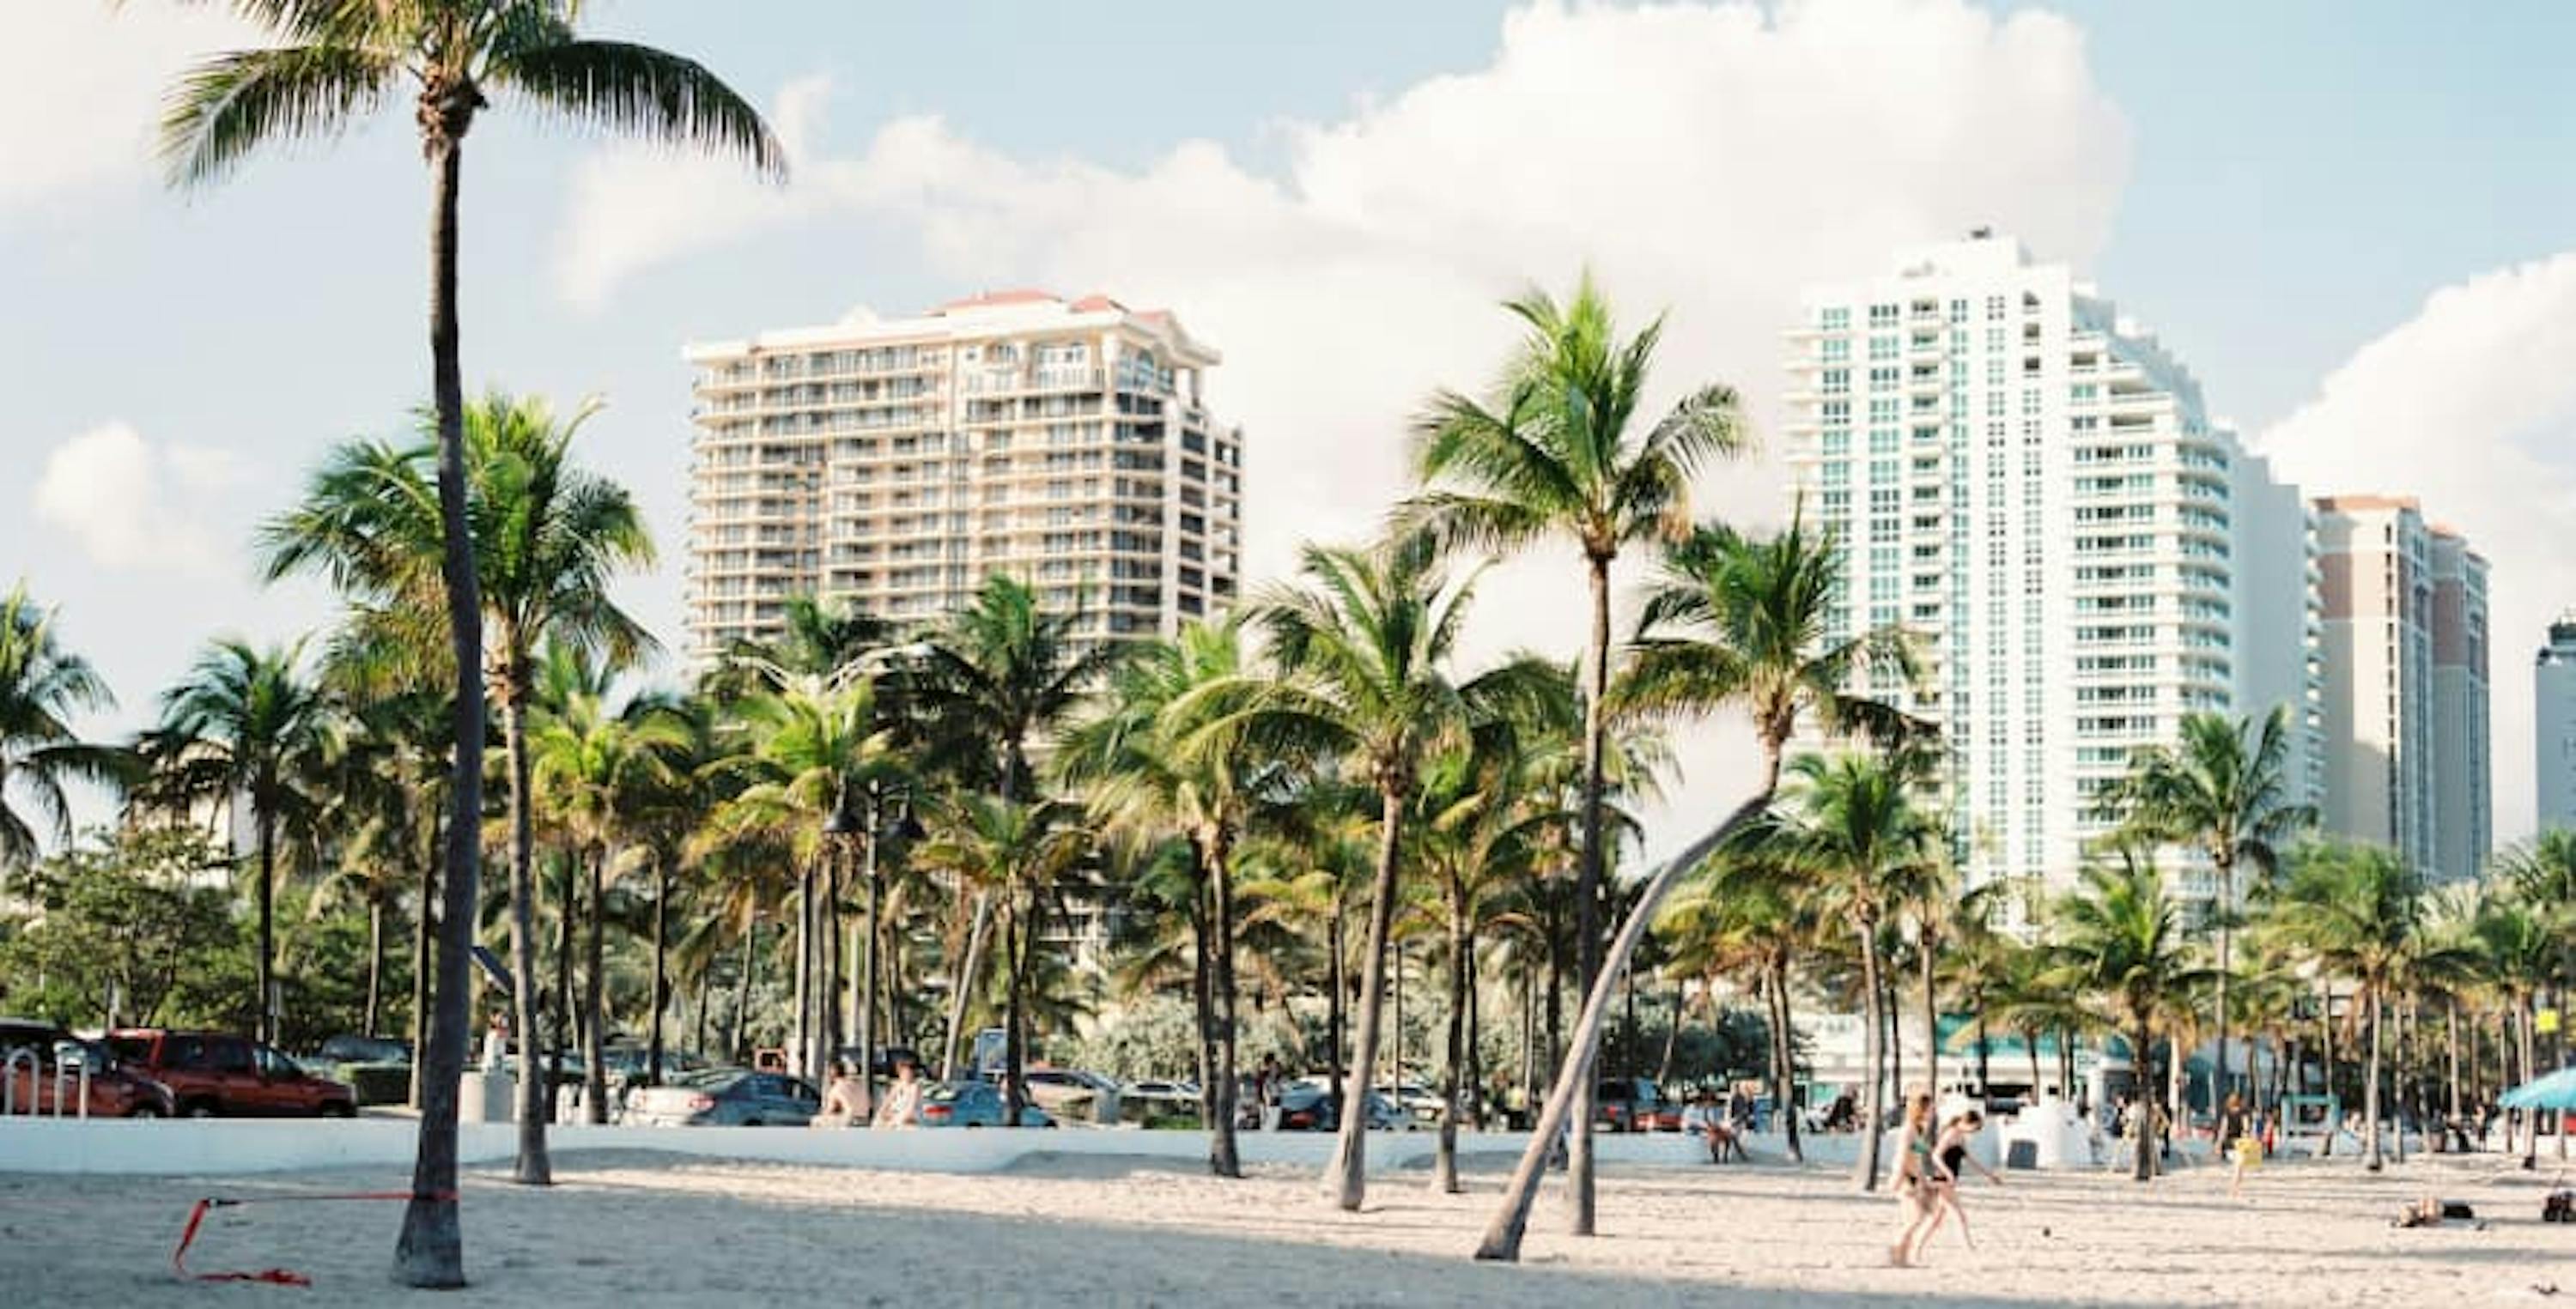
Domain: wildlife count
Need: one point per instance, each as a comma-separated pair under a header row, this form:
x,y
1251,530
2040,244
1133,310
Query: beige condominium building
x,y
2404,609
894,464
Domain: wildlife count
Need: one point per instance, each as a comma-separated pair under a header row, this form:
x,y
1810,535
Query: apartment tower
x,y
894,464
2405,626
2031,484
2553,680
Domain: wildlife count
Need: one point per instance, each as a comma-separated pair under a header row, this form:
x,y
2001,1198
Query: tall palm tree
x,y
2118,943
1365,648
1731,623
1553,455
2223,787
246,724
595,770
545,537
991,682
2355,911
1166,757
41,686
336,60
1853,823
1019,851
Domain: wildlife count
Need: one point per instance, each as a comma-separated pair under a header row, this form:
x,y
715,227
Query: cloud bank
x,y
1705,159
133,505
82,100
2470,407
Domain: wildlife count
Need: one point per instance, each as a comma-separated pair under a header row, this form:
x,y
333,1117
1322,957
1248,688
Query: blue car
x,y
726,1097
972,1104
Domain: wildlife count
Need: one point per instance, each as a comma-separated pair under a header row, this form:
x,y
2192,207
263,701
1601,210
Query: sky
x,y
2345,215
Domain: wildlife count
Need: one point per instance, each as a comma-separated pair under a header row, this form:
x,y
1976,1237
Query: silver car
x,y
726,1097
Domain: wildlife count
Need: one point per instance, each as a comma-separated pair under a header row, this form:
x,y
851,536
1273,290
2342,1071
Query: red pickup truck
x,y
211,1074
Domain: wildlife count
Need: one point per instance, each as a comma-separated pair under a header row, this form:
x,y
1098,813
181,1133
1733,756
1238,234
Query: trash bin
x,y
486,1096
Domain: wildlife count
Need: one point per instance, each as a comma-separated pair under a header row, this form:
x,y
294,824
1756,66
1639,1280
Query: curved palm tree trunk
x,y
1351,1156
533,1168
1502,1238
1444,1164
1587,884
1873,1059
1224,1158
430,1252
594,1067
266,1025
2370,1093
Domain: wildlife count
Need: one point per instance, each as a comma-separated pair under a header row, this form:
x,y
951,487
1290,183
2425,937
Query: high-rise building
x,y
2031,484
895,464
2405,625
2553,682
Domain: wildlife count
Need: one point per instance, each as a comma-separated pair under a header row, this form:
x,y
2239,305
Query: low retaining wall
x,y
192,1147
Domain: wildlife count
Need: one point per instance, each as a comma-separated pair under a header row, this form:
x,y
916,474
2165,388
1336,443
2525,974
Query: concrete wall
x,y
192,1147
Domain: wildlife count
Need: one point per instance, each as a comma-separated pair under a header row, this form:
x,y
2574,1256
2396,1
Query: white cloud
x,y
132,504
2470,407
82,99
1706,159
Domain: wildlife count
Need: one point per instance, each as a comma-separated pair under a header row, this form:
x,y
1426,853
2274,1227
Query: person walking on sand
x,y
1918,1173
902,1104
1952,1152
2236,1136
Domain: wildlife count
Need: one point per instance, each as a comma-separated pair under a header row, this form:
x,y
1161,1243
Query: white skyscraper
x,y
2554,685
2031,484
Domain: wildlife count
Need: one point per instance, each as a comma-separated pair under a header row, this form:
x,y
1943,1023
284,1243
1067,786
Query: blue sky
x,y
1334,192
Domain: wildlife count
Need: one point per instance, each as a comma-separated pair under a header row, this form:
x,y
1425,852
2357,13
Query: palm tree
x,y
990,681
2354,910
1552,456
1365,649
1731,623
41,686
2224,787
1166,757
247,724
336,60
594,771
1853,823
2118,943
546,536
1018,852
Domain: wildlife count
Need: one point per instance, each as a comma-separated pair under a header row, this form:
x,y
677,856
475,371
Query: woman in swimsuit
x,y
1952,1152
1918,1174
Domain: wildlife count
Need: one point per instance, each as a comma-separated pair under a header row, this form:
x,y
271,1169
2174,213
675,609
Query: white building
x,y
2554,756
2031,483
895,464
2405,625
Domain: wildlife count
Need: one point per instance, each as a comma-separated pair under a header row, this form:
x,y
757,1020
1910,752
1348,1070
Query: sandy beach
x,y
640,1228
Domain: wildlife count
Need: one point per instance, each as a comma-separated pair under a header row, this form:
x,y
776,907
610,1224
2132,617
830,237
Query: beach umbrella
x,y
2556,1091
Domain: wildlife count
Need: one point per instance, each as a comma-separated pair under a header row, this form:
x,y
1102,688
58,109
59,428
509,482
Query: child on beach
x,y
1919,1175
1952,1152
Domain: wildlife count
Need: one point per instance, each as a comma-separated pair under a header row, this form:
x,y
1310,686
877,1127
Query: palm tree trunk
x,y
1203,1002
2370,1092
1672,1037
2451,1027
1931,1022
972,959
661,964
266,1026
1224,1157
567,908
375,961
868,1035
533,1167
1984,1057
1587,884
430,1252
1872,1060
742,991
1015,951
1784,1072
2142,1136
2226,865
2030,1046
1337,1010
1502,1238
804,993
1888,1014
1351,1156
2326,1067
830,934
1444,1164
594,1040
422,966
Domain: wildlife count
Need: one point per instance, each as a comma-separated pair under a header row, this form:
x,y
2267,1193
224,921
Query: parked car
x,y
212,1073
116,1090
631,1062
726,1097
1307,1104
1416,1105
973,1104
1626,1104
348,1048
1070,1093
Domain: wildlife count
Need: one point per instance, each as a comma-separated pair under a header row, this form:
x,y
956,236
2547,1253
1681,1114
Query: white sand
x,y
636,1228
